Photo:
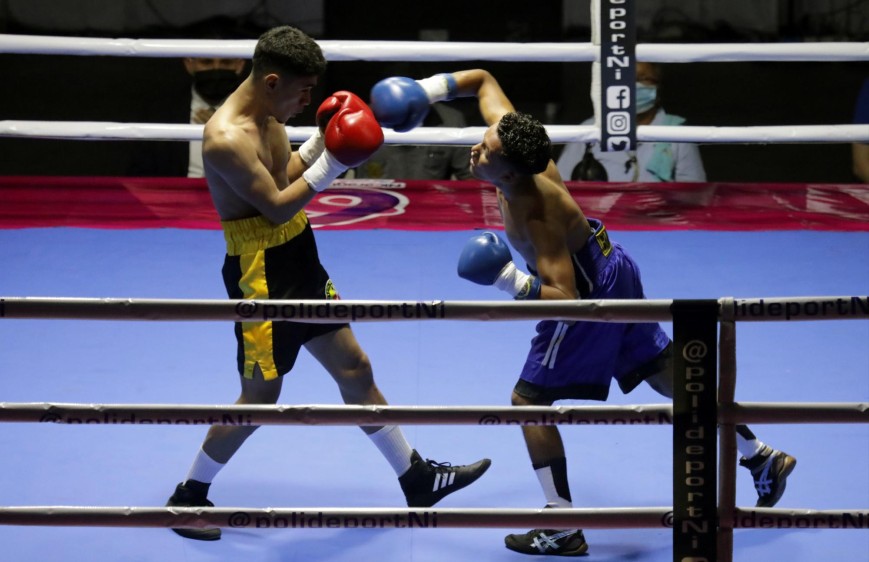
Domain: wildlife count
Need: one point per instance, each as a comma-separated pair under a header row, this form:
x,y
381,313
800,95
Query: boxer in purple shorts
x,y
569,257
578,359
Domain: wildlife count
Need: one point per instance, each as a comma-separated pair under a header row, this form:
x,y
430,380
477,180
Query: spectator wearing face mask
x,y
651,161
213,81
210,81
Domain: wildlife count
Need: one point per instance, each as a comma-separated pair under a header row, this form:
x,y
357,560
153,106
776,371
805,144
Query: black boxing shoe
x,y
193,494
427,482
770,469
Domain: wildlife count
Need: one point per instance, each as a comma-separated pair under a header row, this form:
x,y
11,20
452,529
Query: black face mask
x,y
215,85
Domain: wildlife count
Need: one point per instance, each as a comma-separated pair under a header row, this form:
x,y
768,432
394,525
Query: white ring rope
x,y
318,414
342,50
319,517
438,51
465,136
388,518
329,312
375,415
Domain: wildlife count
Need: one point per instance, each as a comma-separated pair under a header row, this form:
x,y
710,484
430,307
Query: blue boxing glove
x,y
486,260
402,103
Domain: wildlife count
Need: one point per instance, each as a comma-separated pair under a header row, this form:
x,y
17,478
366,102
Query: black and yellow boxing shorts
x,y
268,261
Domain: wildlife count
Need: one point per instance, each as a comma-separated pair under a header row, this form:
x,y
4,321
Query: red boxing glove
x,y
351,134
336,102
351,130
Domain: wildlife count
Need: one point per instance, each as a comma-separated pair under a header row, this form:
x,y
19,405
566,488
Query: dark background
x,y
136,89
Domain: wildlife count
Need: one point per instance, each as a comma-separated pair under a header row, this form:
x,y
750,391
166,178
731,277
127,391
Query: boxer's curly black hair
x,y
290,50
524,142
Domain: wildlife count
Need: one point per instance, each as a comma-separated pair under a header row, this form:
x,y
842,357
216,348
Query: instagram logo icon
x,y
618,122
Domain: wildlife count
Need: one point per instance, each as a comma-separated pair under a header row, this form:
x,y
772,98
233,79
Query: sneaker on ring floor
x,y
427,482
549,542
193,494
770,469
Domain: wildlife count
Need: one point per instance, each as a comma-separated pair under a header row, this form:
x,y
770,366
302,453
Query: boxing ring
x,y
184,311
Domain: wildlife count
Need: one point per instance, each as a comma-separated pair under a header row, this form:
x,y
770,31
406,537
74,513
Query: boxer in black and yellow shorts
x,y
268,261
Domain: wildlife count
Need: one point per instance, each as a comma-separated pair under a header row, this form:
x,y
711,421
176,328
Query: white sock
x,y
204,468
548,484
394,447
748,447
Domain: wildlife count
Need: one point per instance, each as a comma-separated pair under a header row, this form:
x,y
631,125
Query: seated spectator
x,y
652,161
212,81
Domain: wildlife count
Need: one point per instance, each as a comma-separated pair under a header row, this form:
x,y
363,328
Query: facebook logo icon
x,y
618,97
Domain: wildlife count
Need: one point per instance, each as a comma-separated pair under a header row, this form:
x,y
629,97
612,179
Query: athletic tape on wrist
x,y
323,171
510,279
312,148
518,284
452,86
440,87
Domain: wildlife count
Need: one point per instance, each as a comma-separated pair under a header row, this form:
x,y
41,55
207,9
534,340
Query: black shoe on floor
x,y
770,470
193,494
427,482
548,542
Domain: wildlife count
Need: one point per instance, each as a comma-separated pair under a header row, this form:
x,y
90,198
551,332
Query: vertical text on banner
x,y
618,75
695,420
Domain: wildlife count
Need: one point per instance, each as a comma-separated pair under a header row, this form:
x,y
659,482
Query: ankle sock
x,y
553,479
204,468
394,447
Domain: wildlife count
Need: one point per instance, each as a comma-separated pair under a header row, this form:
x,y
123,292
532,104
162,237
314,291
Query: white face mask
x,y
646,97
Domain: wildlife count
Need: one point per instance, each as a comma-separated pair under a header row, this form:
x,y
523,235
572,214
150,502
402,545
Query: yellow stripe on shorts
x,y
249,238
257,336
